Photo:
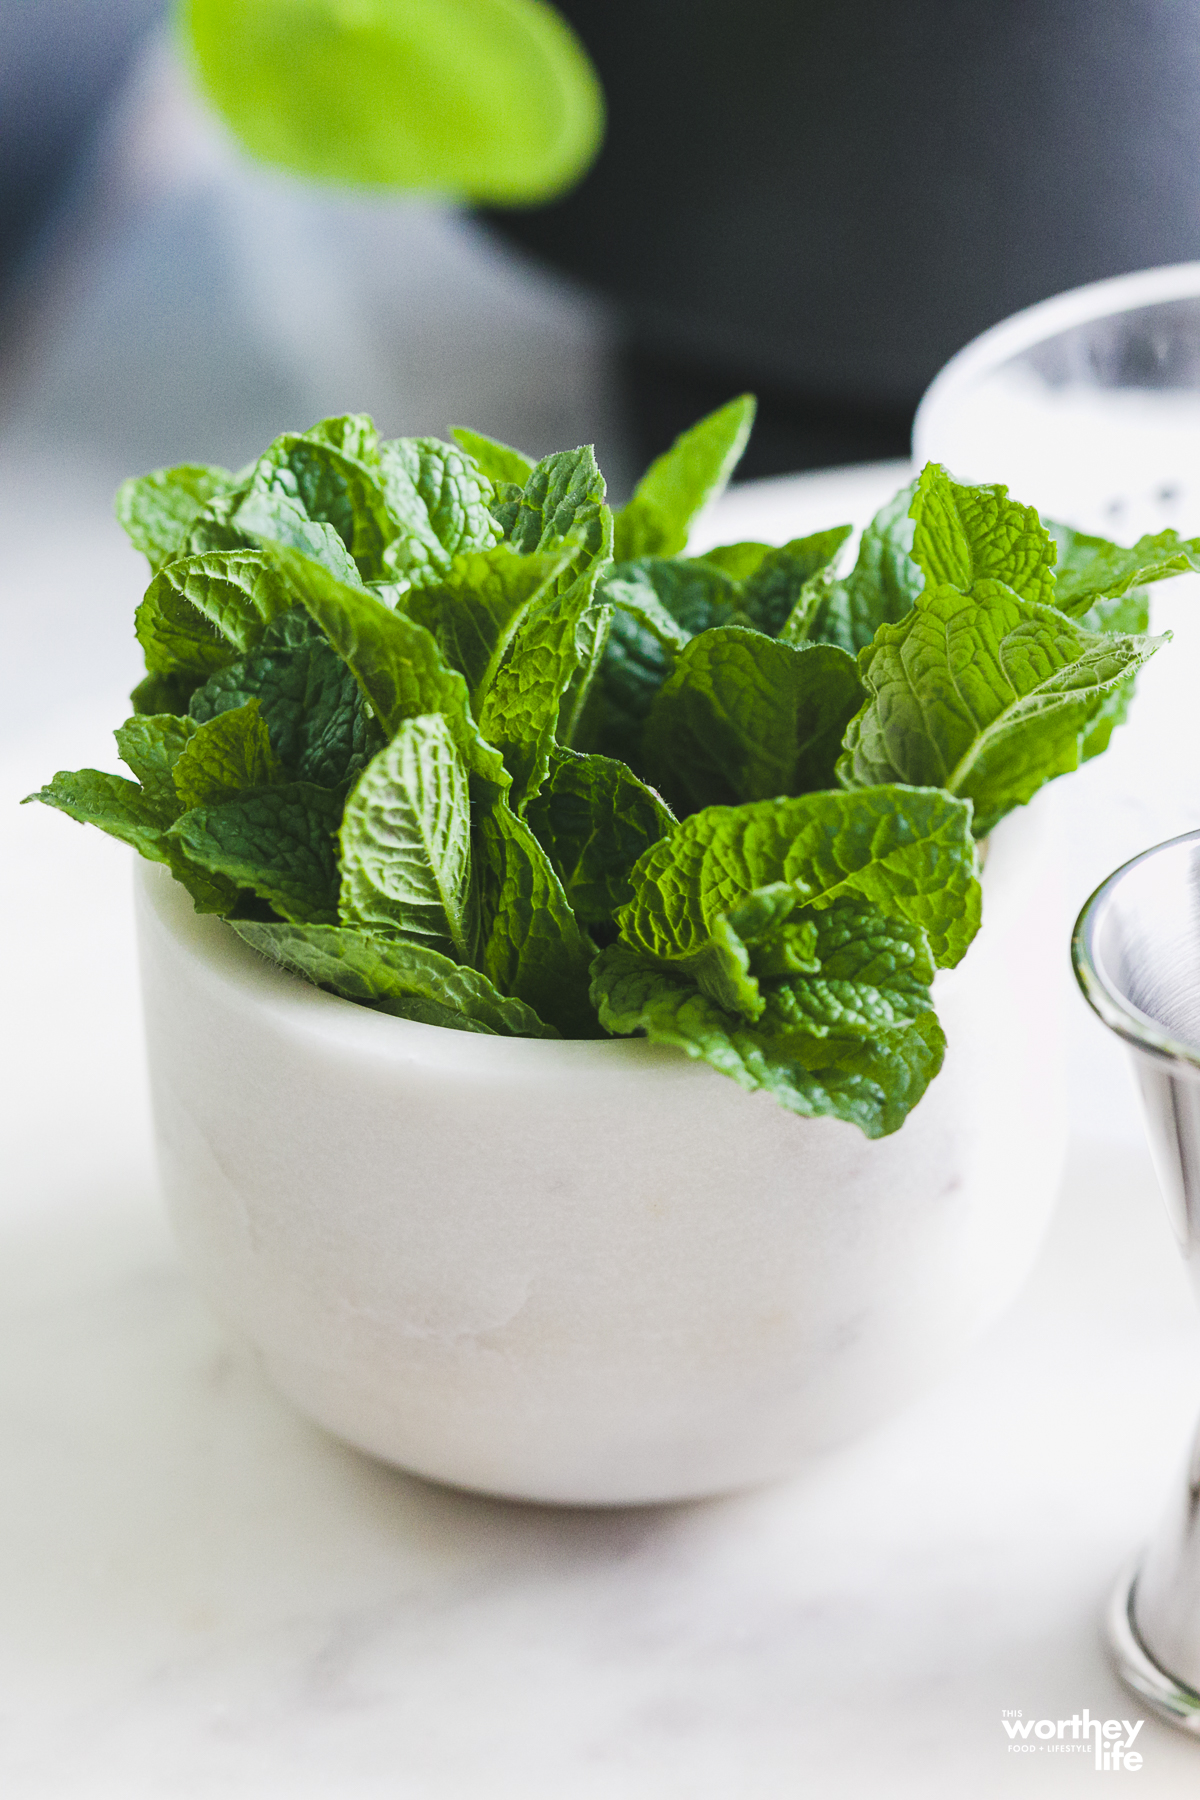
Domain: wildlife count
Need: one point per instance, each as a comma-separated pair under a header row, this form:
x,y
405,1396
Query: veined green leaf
x,y
158,510
880,588
530,943
151,744
277,841
1091,569
441,502
967,534
986,695
406,841
499,462
594,818
784,577
200,612
395,976
329,485
743,717
232,751
680,483
738,561
475,608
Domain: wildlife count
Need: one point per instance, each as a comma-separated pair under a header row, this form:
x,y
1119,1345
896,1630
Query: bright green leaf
x,y
158,510
679,484
232,751
499,462
967,534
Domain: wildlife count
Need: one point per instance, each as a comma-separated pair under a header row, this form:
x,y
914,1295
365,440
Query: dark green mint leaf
x,y
906,850
474,609
743,717
499,462
200,611
159,693
307,473
440,500
967,534
277,841
530,944
232,751
680,483
594,818
986,695
853,1036
1090,569
406,841
882,585
783,581
394,976
151,744
159,510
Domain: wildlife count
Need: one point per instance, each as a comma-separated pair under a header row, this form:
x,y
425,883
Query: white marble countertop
x,y
202,1595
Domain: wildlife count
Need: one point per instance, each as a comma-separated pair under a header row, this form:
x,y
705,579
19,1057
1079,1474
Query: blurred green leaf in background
x,y
485,100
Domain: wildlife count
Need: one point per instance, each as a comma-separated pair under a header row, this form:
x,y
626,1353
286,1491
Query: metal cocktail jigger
x,y
1136,952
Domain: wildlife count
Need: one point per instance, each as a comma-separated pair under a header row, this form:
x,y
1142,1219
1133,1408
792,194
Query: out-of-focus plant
x,y
487,100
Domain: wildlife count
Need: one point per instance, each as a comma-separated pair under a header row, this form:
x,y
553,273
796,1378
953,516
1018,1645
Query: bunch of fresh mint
x,y
430,725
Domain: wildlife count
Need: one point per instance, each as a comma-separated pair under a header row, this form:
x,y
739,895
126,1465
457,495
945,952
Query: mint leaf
x,y
151,745
881,587
141,819
499,462
408,980
158,510
230,752
738,561
406,841
530,944
277,841
396,662
440,500
1091,569
743,717
967,534
354,434
200,611
312,706
986,695
272,516
311,473
159,693
906,850
594,818
486,100
782,580
680,483
851,1036
474,609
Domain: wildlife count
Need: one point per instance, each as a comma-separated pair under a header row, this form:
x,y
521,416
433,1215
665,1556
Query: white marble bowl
x,y
593,1272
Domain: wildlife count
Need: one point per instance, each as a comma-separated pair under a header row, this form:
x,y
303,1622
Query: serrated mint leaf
x,y
277,841
392,975
679,484
1128,612
967,534
986,695
213,527
396,662
441,502
564,499
126,811
406,841
881,587
314,711
474,609
594,818
854,1036
305,480
273,517
158,510
151,745
738,561
908,851
1091,569
743,717
354,434
230,752
499,462
783,581
201,611
529,942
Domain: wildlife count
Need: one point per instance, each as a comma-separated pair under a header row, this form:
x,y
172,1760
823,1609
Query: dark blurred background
x,y
820,203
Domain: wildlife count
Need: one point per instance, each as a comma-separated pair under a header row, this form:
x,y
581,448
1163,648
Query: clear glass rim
x,y
1107,1002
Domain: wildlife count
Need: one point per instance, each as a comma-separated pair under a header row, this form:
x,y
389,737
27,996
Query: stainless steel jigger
x,y
1136,952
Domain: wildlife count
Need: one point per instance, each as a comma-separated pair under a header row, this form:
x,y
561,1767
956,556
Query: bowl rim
x,y
1110,1005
